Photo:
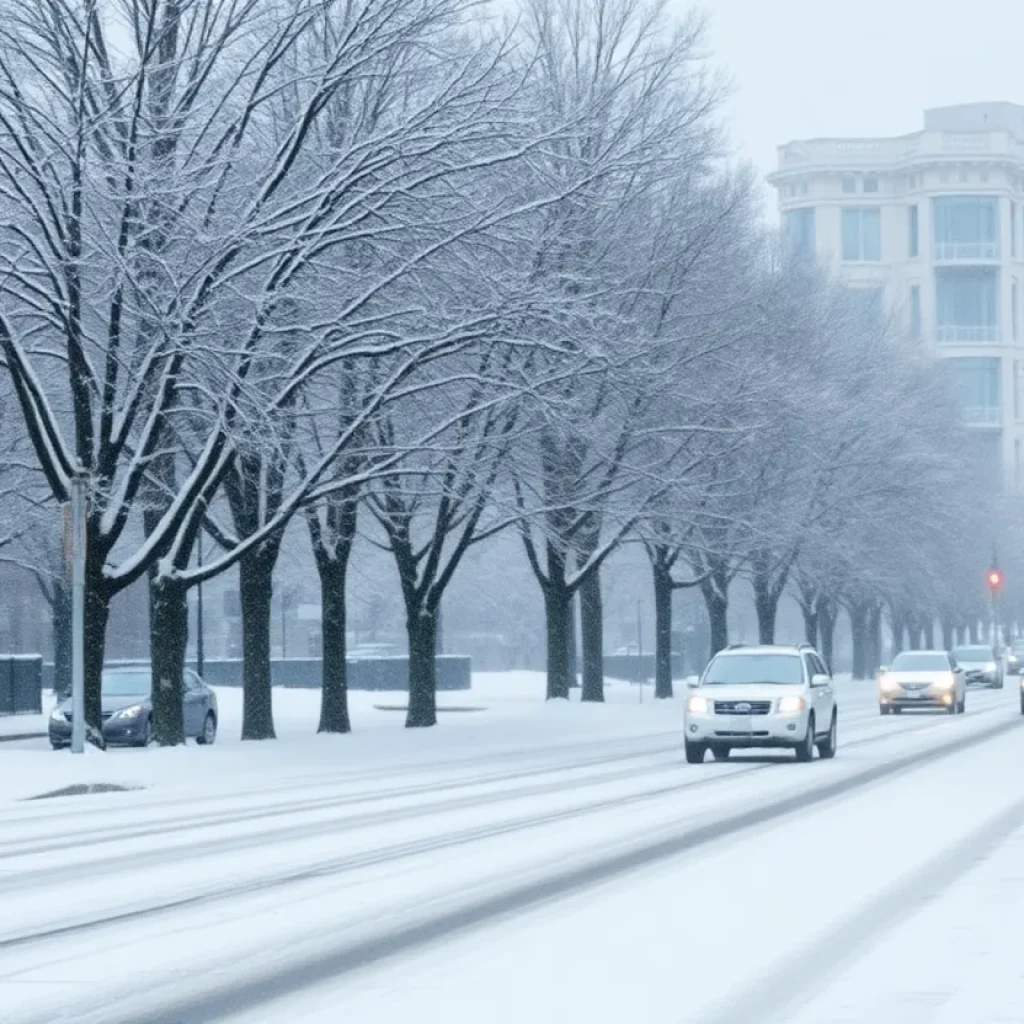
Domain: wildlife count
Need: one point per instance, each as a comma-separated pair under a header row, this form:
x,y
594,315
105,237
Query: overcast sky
x,y
808,68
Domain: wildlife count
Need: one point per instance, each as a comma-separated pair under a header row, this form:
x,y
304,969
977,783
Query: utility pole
x,y
79,496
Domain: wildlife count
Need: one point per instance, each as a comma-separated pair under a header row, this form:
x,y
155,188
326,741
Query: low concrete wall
x,y
21,684
629,667
378,674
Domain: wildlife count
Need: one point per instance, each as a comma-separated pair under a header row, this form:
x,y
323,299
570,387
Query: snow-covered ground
x,y
549,863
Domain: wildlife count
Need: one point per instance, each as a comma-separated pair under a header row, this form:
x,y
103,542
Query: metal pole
x,y
79,487
200,645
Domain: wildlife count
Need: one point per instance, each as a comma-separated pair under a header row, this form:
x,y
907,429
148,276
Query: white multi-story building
x,y
933,225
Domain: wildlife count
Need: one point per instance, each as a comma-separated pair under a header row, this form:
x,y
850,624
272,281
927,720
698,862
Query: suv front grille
x,y
742,707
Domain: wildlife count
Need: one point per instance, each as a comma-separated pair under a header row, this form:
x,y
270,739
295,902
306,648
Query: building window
x,y
944,175
915,311
871,184
912,230
966,306
804,188
977,386
1013,308
800,231
1016,390
1013,230
849,186
862,235
966,227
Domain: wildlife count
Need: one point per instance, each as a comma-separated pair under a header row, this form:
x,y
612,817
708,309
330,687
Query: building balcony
x,y
982,415
966,252
968,334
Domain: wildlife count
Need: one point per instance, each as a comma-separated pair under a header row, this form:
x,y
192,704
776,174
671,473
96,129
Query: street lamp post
x,y
200,639
77,511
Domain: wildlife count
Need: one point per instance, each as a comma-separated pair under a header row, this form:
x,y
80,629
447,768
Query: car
x,y
980,665
1015,658
762,697
922,679
128,709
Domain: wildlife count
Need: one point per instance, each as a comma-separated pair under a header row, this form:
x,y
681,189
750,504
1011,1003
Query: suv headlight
x,y
58,715
990,666
698,705
131,712
791,705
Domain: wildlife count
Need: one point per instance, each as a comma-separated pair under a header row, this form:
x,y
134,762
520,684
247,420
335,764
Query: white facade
x,y
936,221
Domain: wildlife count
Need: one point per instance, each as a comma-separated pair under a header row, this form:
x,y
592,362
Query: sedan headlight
x,y
943,684
889,685
58,715
791,705
698,705
130,712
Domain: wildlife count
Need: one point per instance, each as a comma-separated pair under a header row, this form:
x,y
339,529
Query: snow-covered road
x,y
599,878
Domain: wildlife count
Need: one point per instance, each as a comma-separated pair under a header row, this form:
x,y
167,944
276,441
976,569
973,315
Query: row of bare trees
x,y
400,267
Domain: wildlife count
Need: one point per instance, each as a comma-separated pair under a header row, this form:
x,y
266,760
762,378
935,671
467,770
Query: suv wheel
x,y
805,750
694,752
827,747
884,709
721,753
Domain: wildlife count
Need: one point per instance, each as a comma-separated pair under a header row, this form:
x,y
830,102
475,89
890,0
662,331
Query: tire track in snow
x,y
235,997
681,842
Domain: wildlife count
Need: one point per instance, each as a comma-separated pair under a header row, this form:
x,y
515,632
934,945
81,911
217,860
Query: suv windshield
x,y
123,683
784,669
915,661
973,654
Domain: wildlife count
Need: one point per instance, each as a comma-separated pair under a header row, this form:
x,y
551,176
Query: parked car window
x,y
126,682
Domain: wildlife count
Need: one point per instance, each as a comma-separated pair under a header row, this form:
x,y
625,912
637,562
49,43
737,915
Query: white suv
x,y
762,697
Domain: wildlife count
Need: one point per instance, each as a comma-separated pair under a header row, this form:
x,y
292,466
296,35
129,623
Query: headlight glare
x,y
791,705
58,715
131,712
698,705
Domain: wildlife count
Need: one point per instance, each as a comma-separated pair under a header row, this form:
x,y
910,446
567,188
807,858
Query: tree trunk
x,y
334,715
899,629
874,662
716,600
168,638
810,614
97,614
826,615
422,630
859,634
61,622
929,633
557,606
972,631
662,631
572,645
592,637
256,587
948,635
766,602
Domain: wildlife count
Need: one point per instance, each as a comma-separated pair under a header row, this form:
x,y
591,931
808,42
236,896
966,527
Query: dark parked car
x,y
128,709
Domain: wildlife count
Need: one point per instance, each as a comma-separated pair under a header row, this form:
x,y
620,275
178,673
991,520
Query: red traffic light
x,y
995,579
